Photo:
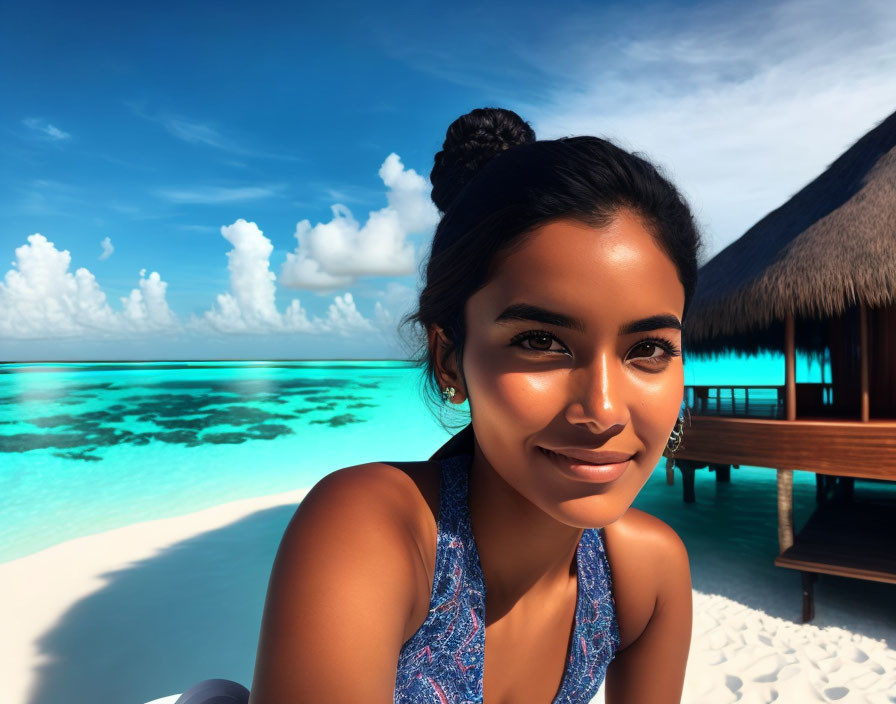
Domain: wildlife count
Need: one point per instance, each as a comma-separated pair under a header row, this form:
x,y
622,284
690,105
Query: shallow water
x,y
85,448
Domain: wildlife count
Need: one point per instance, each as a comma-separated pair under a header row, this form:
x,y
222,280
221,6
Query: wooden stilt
x,y
844,489
723,473
785,509
809,579
670,471
790,367
863,355
687,481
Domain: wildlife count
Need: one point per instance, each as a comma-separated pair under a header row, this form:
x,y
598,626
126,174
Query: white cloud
x,y
217,194
343,317
45,129
197,132
146,308
194,132
106,244
333,254
742,104
250,306
394,302
41,298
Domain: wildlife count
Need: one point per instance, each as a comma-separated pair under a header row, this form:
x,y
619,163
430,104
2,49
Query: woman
x,y
510,567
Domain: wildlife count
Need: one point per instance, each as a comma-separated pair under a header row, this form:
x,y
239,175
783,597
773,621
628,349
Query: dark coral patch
x,y
83,455
269,431
22,442
178,437
225,438
186,412
339,421
234,415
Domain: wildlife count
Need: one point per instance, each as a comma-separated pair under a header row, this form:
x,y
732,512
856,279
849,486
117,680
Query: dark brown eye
x,y
541,342
650,348
538,341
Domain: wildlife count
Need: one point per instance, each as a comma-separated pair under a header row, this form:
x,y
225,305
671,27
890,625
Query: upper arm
x,y
340,595
652,667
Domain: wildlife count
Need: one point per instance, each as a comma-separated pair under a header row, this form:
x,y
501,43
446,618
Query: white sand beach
x,y
140,613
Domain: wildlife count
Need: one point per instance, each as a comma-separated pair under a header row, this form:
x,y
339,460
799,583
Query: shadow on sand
x,y
161,625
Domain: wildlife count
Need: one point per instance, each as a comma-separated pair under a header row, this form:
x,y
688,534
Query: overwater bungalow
x,y
816,276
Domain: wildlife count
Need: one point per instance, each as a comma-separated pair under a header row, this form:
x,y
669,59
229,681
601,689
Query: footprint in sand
x,y
855,654
835,693
734,683
766,669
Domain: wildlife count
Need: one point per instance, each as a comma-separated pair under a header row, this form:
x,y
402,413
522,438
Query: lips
x,y
575,454
591,466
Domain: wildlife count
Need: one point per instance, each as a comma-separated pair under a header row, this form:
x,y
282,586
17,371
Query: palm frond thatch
x,y
829,247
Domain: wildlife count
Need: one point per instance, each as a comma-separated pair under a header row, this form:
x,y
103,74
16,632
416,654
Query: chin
x,y
590,511
598,505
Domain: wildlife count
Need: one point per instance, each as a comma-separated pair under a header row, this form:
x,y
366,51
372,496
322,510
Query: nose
x,y
598,395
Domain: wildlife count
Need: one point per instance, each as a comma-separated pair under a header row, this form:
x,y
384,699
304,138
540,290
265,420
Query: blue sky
x,y
159,162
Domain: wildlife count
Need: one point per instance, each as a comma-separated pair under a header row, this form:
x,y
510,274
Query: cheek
x,y
654,416
526,397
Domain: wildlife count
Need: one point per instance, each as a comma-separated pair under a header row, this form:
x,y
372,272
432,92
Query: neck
x,y
522,549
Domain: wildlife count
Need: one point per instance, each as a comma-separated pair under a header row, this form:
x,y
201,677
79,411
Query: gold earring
x,y
448,393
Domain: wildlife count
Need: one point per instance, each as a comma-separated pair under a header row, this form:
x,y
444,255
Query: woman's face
x,y
574,345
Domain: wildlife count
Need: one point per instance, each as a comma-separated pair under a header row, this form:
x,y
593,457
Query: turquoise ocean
x,y
89,447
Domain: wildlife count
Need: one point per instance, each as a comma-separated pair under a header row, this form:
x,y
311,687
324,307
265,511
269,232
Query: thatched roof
x,y
826,249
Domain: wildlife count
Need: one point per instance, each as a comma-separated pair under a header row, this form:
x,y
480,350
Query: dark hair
x,y
495,183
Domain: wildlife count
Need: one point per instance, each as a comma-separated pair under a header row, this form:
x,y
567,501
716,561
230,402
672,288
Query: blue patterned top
x,y
442,663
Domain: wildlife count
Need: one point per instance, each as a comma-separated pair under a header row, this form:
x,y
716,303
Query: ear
x,y
442,354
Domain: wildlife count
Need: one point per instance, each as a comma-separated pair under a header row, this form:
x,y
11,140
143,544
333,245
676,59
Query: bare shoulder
x,y
353,542
395,486
389,506
642,531
648,561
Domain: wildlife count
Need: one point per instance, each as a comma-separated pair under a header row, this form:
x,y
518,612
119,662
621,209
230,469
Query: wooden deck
x,y
849,540
836,447
841,537
846,539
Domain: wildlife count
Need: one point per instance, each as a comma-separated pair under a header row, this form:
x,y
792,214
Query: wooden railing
x,y
757,400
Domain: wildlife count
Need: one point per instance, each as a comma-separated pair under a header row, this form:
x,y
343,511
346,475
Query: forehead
x,y
617,270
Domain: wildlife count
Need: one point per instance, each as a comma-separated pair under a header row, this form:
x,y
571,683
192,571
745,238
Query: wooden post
x,y
808,579
790,366
785,509
687,480
723,473
785,476
863,353
670,471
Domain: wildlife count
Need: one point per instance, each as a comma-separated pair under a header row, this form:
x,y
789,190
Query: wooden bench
x,y
845,538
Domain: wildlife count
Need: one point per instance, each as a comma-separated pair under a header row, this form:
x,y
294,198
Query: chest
x,y
540,648
527,650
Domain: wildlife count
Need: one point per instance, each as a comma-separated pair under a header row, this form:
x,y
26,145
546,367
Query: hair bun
x,y
472,140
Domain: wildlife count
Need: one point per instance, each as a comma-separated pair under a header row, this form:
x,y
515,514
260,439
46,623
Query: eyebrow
x,y
527,311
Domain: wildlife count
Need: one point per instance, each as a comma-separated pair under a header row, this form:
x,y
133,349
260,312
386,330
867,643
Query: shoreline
x,y
62,609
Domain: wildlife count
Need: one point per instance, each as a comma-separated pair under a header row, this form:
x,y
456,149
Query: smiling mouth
x,y
590,472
